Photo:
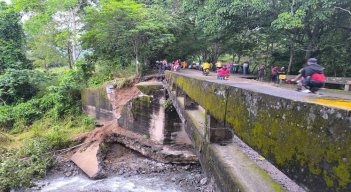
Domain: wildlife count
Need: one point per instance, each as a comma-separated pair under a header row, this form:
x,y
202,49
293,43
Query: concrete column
x,y
189,104
173,87
216,131
348,86
179,92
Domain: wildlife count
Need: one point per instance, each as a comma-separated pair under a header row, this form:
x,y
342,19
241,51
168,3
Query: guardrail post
x,y
348,86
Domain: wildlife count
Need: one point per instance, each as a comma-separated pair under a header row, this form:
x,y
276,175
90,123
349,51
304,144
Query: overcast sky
x,y
7,1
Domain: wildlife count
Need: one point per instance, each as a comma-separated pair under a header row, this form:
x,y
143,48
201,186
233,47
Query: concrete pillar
x,y
348,86
189,103
173,87
216,131
179,92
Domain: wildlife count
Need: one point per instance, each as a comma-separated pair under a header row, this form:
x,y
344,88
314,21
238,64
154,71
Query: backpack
x,y
318,77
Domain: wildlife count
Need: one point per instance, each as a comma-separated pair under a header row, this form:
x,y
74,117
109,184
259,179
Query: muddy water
x,y
137,183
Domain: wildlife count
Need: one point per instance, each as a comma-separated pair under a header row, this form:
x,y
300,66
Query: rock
x,y
120,172
173,179
203,181
68,174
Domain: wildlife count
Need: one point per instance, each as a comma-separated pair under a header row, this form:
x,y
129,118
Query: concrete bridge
x,y
248,135
306,136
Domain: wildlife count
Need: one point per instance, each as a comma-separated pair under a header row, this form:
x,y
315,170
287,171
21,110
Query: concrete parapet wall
x,y
307,141
238,174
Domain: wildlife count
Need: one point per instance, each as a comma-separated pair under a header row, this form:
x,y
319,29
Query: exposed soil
x,y
125,162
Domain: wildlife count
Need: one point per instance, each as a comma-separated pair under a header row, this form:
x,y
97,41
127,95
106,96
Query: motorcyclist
x,y
223,73
312,76
206,67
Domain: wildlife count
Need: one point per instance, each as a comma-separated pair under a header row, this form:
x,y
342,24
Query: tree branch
x,y
343,9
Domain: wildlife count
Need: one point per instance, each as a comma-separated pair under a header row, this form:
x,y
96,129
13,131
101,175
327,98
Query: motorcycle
x,y
206,72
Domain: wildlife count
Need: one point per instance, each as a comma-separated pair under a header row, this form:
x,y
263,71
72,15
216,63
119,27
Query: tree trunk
x,y
239,57
309,51
74,29
266,58
69,53
136,52
313,38
137,66
291,58
200,60
334,66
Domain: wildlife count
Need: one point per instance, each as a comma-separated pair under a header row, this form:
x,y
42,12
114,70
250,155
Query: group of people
x,y
224,70
228,67
176,65
278,75
311,76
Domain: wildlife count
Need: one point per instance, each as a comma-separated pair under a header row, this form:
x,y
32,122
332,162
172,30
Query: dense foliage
x,y
11,41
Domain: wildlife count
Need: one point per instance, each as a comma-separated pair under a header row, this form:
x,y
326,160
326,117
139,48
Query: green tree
x,y
11,41
124,30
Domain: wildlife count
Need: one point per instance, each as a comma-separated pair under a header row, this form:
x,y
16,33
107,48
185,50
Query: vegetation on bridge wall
x,y
309,142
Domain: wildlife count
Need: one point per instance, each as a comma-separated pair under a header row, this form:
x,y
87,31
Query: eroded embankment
x,y
111,151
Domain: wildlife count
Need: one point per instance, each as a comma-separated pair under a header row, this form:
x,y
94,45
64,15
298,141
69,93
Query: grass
x,y
62,130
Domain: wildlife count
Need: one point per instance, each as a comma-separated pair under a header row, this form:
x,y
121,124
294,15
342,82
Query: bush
x,y
60,100
57,138
20,85
30,162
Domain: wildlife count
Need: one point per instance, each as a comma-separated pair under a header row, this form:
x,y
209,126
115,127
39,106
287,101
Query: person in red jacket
x,y
223,73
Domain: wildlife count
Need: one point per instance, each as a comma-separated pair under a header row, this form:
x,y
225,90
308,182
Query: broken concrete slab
x,y
158,152
89,159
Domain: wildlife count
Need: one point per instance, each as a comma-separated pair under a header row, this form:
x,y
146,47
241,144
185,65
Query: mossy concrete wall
x,y
96,102
311,143
229,166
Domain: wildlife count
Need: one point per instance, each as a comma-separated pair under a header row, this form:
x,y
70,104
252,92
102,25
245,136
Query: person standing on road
x,y
246,68
184,64
281,75
261,72
235,68
274,75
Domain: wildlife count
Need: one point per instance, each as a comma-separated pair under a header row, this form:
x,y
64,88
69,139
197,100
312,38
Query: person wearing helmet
x,y
206,65
206,68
